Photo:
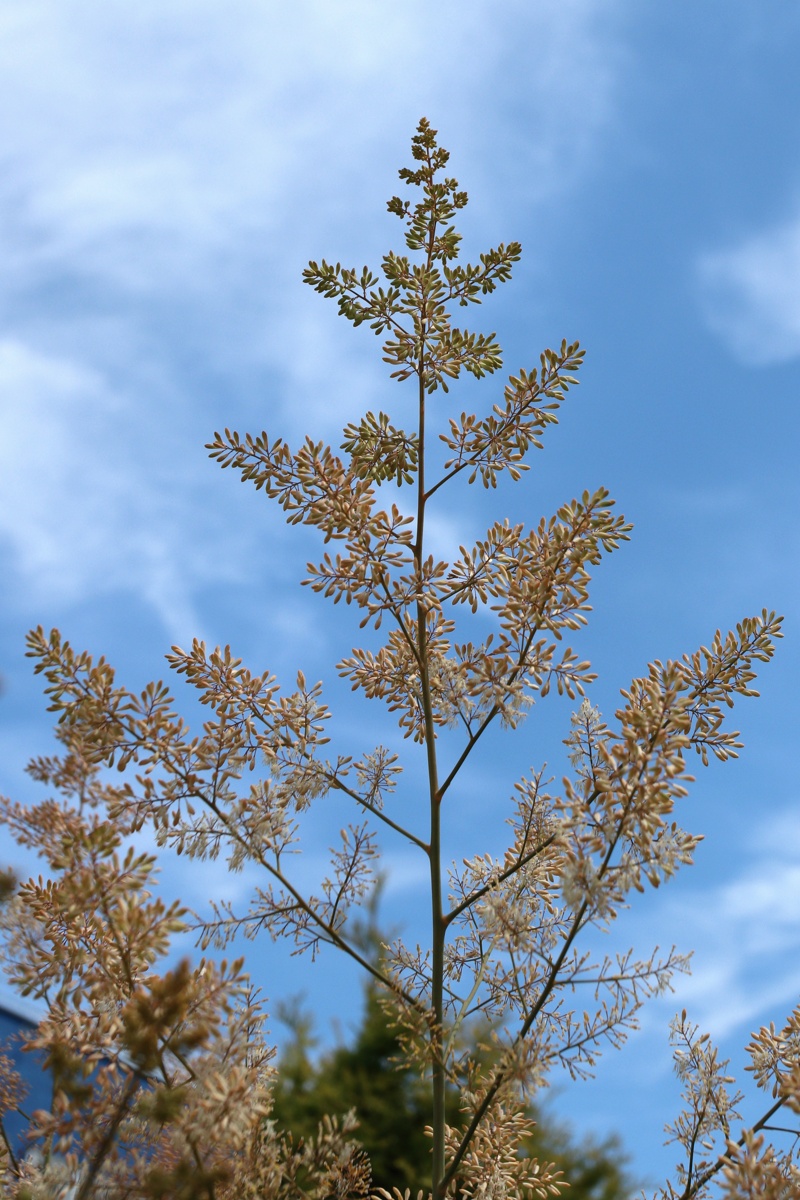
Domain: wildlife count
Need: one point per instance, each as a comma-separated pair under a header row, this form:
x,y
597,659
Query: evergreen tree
x,y
392,1107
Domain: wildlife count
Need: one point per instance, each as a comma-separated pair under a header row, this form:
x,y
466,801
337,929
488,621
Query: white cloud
x,y
50,404
167,172
77,509
745,934
184,132
750,294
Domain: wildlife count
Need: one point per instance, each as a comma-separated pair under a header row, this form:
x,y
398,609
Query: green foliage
x,y
391,1106
392,1103
8,885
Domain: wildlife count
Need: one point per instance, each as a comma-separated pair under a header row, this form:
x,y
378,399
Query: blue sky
x,y
167,171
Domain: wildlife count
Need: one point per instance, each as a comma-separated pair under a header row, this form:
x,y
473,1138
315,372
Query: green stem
x,y
434,854
438,926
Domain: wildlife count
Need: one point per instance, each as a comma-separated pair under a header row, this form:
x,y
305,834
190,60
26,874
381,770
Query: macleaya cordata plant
x,y
160,1082
508,936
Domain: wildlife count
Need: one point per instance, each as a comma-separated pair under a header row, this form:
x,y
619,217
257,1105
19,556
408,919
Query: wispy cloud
x,y
166,173
79,514
745,934
750,294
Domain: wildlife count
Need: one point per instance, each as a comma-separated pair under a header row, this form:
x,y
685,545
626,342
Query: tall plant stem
x,y
438,926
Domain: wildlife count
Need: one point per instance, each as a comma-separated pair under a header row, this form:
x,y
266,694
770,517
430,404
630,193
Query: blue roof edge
x,y
21,1009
